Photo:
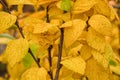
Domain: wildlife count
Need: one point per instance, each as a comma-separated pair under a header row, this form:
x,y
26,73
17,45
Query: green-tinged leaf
x,y
64,5
6,20
4,35
76,64
105,58
15,51
113,63
28,59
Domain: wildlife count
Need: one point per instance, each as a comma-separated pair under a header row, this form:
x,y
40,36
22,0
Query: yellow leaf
x,y
15,51
86,52
76,64
94,71
72,33
100,58
115,69
43,2
14,72
17,2
102,8
95,40
35,73
6,20
75,51
81,6
101,24
39,31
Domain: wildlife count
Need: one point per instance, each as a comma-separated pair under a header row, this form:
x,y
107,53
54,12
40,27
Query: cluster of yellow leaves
x,y
85,52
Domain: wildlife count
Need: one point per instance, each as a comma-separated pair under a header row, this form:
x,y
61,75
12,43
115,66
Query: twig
x,y
5,6
59,54
50,61
47,15
20,30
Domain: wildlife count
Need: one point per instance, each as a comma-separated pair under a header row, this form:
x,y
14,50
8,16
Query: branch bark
x,y
50,61
59,54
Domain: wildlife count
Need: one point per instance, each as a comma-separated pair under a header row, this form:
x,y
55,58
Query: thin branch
x,y
50,47
59,54
47,15
50,61
5,6
20,30
37,62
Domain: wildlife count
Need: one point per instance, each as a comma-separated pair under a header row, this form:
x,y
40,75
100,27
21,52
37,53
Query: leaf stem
x,y
59,54
20,30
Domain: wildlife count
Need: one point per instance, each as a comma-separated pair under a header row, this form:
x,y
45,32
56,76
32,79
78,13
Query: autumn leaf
x,y
101,24
64,5
18,2
81,6
102,8
100,58
28,60
35,73
95,40
15,51
94,71
44,2
76,64
72,33
6,20
86,52
115,69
